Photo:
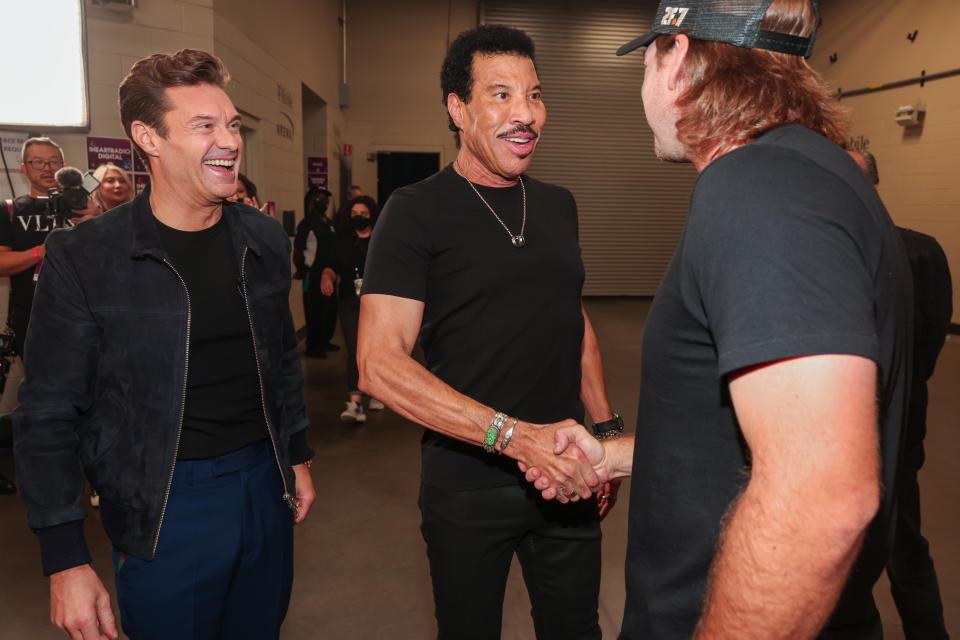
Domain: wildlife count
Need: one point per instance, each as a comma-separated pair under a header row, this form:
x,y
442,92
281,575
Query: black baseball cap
x,y
735,22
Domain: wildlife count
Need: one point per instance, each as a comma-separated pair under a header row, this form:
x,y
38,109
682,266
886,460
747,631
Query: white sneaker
x,y
353,412
374,405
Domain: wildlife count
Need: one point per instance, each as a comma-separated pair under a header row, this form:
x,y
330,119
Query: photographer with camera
x,y
29,219
24,225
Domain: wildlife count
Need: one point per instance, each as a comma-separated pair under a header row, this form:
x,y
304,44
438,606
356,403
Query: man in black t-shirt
x,y
24,225
913,578
166,360
483,263
776,355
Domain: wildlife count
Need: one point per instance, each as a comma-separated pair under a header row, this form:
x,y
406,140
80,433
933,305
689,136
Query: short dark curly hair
x,y
343,221
456,75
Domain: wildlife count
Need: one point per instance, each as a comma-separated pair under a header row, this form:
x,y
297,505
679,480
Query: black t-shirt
x,y
31,224
932,300
348,259
787,252
223,408
501,325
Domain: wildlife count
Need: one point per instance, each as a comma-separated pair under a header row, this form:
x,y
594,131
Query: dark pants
x,y
471,537
913,579
224,563
320,314
349,309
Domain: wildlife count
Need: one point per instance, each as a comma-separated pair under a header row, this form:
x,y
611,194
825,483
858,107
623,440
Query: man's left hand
x,y
305,491
608,497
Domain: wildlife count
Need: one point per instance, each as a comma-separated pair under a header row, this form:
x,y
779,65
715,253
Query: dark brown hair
x,y
732,95
343,223
142,94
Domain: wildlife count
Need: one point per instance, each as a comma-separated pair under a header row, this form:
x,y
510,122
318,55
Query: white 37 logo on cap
x,y
673,16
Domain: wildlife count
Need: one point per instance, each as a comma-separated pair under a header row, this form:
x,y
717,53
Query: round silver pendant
x,y
519,241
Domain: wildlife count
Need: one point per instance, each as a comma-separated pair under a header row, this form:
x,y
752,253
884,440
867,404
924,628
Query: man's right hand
x,y
573,439
568,473
80,605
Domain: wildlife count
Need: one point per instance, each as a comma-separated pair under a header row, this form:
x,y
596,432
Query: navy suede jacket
x,y
106,357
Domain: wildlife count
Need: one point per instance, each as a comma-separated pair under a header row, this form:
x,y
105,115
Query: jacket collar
x,y
146,239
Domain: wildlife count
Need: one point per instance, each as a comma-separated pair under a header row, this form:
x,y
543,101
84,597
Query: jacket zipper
x,y
183,408
287,497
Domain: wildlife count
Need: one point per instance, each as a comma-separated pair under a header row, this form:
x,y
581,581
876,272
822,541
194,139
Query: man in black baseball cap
x,y
736,23
776,353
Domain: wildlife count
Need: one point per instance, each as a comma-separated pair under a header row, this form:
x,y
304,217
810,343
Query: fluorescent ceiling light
x,y
42,63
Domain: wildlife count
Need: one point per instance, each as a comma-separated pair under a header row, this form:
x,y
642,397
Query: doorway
x,y
397,169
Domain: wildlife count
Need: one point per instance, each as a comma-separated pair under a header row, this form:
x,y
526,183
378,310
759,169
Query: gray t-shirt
x,y
787,252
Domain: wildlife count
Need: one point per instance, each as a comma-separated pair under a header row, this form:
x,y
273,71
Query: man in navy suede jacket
x,y
162,354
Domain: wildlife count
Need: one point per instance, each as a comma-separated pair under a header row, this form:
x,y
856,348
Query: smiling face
x,y
501,124
200,154
114,189
42,179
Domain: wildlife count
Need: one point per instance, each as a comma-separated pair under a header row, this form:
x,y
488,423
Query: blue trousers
x,y
224,562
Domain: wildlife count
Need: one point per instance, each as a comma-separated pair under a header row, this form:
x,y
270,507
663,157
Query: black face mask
x,y
360,222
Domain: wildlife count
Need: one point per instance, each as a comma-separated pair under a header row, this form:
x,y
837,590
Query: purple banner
x,y
100,151
319,179
138,165
140,182
316,164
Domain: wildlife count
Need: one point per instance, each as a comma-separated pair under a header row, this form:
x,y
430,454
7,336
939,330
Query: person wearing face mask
x,y
115,188
346,262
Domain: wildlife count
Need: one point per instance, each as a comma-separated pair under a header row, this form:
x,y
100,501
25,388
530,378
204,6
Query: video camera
x,y
72,192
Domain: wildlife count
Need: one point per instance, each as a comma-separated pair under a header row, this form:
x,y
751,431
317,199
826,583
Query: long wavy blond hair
x,y
100,173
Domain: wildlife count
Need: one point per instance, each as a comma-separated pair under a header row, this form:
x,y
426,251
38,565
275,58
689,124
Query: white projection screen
x,y
43,66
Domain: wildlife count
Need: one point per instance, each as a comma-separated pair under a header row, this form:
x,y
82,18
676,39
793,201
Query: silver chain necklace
x,y
518,240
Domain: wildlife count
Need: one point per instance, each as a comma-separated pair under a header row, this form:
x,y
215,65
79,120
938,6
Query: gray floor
x,y
361,570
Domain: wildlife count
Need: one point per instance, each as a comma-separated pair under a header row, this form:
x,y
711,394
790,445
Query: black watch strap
x,y
608,428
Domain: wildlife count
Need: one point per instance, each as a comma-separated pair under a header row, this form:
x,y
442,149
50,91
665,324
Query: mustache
x,y
520,128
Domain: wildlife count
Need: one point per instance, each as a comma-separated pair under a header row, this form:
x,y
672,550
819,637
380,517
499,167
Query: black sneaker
x,y
331,347
315,353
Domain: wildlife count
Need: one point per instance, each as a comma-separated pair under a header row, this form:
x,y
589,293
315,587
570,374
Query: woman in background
x,y
115,188
347,262
246,192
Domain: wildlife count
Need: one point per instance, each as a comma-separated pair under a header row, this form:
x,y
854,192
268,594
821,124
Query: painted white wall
x,y
394,53
919,170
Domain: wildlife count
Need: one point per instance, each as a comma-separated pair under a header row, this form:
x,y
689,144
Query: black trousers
x,y
349,309
471,537
913,579
320,313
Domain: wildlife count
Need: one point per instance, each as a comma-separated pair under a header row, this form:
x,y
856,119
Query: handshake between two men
x,y
580,464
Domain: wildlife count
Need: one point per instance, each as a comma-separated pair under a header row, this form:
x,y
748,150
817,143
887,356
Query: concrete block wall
x,y
919,168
